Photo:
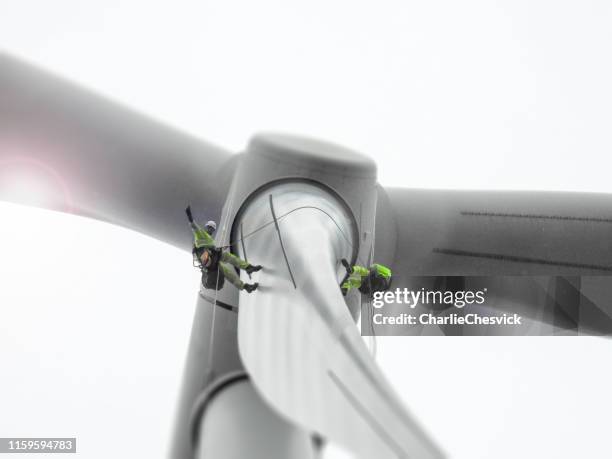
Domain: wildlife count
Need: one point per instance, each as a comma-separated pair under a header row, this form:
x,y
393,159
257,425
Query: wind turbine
x,y
271,374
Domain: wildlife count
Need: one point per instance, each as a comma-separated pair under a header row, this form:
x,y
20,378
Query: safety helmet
x,y
212,225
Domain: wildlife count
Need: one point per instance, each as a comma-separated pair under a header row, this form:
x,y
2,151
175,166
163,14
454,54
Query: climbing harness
x,y
213,279
207,259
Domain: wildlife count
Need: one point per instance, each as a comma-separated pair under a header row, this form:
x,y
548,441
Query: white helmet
x,y
211,224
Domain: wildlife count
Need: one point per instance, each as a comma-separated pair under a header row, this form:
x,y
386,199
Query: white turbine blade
x,y
89,156
512,233
508,233
301,346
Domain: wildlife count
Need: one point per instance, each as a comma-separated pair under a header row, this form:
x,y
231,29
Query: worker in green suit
x,y
212,259
376,278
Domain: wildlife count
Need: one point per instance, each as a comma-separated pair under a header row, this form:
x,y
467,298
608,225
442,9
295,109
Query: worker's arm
x,y
194,226
201,238
189,214
351,282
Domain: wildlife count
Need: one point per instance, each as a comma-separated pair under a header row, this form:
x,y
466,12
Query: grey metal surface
x,y
313,157
212,353
99,159
238,424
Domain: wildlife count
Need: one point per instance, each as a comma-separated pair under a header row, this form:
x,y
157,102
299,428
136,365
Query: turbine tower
x,y
273,373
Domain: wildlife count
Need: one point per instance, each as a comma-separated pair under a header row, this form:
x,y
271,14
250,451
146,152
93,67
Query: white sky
x,y
481,94
474,94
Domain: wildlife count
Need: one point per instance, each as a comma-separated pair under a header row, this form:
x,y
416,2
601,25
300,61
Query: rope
x,y
243,247
369,304
211,341
280,217
280,239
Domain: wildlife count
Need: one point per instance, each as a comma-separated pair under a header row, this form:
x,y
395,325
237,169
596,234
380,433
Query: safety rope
x,y
369,306
280,239
243,247
211,341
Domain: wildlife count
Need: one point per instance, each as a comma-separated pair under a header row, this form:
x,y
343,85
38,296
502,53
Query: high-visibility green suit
x,y
201,239
359,273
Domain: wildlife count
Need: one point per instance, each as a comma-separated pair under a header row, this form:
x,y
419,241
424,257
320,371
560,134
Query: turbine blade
x,y
298,340
505,234
89,156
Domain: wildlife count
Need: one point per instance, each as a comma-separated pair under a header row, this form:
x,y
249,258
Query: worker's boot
x,y
250,287
252,269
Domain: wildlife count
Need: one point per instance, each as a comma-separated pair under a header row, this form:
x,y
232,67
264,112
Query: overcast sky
x,y
443,94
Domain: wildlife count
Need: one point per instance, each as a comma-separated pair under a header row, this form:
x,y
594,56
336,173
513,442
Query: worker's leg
x,y
233,260
230,275
354,281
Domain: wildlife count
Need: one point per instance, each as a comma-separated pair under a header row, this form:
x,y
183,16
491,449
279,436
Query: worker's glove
x,y
189,214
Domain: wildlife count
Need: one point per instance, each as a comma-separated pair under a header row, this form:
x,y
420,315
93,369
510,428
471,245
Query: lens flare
x,y
30,181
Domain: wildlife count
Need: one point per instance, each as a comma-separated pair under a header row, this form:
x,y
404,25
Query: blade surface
x,y
504,233
301,347
92,157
